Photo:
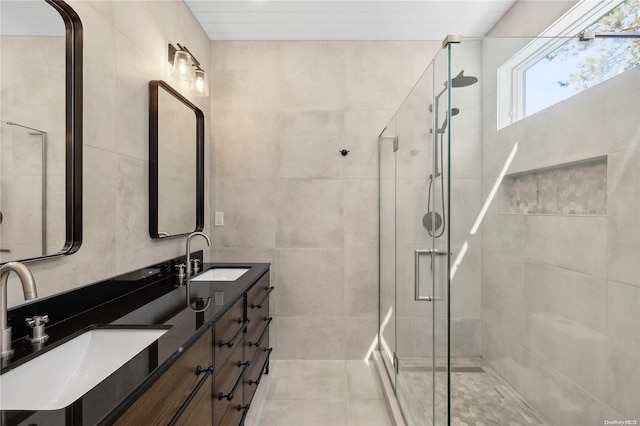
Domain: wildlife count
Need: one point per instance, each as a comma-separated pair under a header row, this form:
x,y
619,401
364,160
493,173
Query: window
x,y
559,65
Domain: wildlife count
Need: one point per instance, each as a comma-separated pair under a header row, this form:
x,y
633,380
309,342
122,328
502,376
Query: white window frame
x,y
511,75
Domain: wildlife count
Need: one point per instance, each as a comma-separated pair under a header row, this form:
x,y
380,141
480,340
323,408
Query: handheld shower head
x,y
454,111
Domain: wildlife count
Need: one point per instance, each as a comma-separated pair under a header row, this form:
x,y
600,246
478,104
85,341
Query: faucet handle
x,y
37,320
37,325
196,265
180,267
181,274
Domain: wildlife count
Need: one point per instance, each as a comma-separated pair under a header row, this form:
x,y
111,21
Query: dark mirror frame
x,y
73,130
154,87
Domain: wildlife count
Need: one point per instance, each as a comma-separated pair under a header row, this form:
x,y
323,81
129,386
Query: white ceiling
x,y
346,19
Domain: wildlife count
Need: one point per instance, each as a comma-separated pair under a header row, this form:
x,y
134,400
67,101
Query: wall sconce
x,y
186,67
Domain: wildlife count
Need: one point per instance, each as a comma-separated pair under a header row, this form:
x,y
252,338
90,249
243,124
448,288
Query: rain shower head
x,y
462,80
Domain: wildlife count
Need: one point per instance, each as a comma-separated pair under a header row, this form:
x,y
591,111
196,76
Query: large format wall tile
x,y
578,297
308,143
311,75
363,159
374,70
244,143
623,237
100,98
250,213
281,113
310,213
576,243
133,70
361,282
244,75
310,282
578,275
361,213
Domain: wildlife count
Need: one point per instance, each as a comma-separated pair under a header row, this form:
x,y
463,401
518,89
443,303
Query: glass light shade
x,y
182,66
200,85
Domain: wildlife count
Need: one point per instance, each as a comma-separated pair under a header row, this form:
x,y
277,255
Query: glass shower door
x,y
387,314
414,247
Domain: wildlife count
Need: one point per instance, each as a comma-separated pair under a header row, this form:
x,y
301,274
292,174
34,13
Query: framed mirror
x,y
40,130
176,163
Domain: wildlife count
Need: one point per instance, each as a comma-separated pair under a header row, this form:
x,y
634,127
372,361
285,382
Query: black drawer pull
x,y
246,410
259,305
192,395
264,366
235,336
200,370
229,396
264,332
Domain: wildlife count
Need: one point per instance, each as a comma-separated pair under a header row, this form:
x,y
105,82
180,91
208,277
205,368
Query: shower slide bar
x,y
433,253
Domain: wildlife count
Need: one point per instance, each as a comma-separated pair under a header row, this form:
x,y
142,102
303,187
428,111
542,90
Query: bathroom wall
x,y
125,46
281,111
561,292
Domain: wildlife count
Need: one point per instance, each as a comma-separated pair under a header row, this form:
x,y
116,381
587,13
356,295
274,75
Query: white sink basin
x,y
221,274
60,376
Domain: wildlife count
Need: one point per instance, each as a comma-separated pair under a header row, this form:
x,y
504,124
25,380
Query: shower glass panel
x,y
23,192
387,331
510,280
414,247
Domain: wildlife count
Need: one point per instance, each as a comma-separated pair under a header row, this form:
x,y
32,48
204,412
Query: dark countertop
x,y
153,302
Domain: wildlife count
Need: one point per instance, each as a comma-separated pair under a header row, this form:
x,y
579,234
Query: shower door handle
x,y
433,253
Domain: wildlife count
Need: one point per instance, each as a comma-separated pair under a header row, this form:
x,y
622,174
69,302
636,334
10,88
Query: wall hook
x,y
344,152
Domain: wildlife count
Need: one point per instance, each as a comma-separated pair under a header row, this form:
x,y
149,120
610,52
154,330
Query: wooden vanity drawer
x,y
257,336
254,375
258,298
234,415
229,330
258,307
228,383
168,394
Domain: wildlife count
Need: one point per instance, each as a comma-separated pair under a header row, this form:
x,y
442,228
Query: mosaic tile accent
x,y
577,189
478,397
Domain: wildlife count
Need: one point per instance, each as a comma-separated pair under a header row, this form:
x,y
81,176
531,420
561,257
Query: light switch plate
x,y
218,219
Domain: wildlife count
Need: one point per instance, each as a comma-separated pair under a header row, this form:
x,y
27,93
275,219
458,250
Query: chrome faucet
x,y
30,292
194,234
188,293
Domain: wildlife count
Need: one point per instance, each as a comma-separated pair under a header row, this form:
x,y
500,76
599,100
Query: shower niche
x,y
576,188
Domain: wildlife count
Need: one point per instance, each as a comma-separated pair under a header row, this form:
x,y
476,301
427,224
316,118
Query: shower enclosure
x,y
23,192
509,256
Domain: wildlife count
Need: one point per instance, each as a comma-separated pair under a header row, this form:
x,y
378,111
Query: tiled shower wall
x,y
281,111
125,46
561,293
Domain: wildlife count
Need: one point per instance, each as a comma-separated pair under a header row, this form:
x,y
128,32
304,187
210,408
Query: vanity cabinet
x,y
257,349
182,395
214,381
239,368
230,366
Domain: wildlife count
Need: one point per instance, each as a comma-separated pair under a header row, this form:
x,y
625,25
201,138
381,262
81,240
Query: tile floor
x,y
479,396
322,393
